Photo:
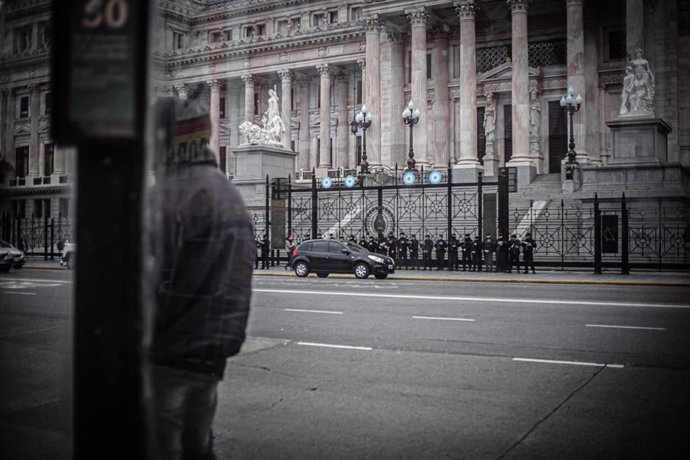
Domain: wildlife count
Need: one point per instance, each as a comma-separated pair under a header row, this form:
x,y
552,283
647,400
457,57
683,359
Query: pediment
x,y
505,72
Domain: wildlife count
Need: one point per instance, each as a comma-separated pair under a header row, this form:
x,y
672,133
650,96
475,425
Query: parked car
x,y
15,256
5,260
335,256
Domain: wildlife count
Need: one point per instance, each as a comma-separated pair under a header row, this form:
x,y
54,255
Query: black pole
x,y
267,210
625,245
480,206
562,235
52,239
450,201
45,236
503,203
290,205
314,204
597,236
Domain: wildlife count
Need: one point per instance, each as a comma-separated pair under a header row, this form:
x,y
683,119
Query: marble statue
x,y
534,121
489,124
637,96
273,126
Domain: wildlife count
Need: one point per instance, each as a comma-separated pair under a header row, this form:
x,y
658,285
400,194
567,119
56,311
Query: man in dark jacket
x,y
440,245
202,249
467,253
414,251
501,254
528,247
514,253
489,248
427,247
392,243
372,244
476,254
453,248
403,245
265,250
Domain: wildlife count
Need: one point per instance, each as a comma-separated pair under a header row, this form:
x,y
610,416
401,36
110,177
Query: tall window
x,y
22,161
223,160
48,159
228,35
42,208
47,103
64,207
508,132
256,103
178,41
22,38
44,33
333,17
214,36
221,109
318,20
456,61
358,96
260,30
19,208
558,136
24,107
428,66
481,135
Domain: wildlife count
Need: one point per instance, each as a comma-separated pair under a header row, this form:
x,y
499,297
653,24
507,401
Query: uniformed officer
x,y
257,242
514,253
372,244
441,246
351,238
453,247
363,241
427,247
528,247
501,254
383,245
392,243
265,248
467,253
489,248
476,254
414,251
403,245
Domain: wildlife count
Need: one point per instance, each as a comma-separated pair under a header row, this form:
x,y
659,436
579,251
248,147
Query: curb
x,y
507,280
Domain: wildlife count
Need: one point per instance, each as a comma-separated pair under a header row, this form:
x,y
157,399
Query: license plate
x,y
390,267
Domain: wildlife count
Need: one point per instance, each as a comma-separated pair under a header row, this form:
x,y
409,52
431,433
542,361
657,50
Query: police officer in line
x,y
467,253
414,251
382,245
427,247
453,248
392,243
528,247
372,244
363,241
489,248
351,238
403,245
476,254
440,245
501,254
265,249
257,243
307,236
514,253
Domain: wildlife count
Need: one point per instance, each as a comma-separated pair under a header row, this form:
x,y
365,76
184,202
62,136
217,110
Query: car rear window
x,y
334,247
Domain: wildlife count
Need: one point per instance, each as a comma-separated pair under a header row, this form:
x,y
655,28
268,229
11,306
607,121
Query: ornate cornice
x,y
518,6
466,9
417,16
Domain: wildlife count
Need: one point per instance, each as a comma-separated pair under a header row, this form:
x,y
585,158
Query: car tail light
x,y
294,252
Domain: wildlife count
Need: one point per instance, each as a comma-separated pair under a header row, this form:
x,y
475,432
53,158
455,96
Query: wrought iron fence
x,y
36,236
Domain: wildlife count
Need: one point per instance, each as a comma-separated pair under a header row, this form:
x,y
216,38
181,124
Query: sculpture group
x,y
637,97
273,126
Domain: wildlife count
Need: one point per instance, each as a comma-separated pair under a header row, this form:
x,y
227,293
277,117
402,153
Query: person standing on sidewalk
x,y
392,243
403,245
440,245
489,248
290,246
501,254
528,247
514,252
476,255
467,252
265,250
427,247
453,247
201,249
414,251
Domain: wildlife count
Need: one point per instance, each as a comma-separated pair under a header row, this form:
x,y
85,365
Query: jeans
x,y
185,404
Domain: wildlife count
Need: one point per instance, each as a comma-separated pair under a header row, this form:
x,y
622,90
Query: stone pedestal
x,y
571,184
466,173
490,165
638,141
526,171
253,163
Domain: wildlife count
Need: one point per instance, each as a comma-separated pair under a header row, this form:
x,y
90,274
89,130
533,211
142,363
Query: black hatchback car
x,y
334,256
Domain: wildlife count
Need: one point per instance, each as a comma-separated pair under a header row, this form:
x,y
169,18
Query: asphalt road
x,y
340,368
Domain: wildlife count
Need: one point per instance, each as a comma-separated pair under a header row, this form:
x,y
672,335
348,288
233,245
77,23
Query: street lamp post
x,y
411,117
362,121
572,104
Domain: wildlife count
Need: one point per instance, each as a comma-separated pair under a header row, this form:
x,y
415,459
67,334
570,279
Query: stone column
x,y
520,93
325,116
576,73
343,130
3,117
466,10
634,25
303,149
248,97
393,130
286,108
9,122
34,144
233,109
441,108
214,108
418,19
372,89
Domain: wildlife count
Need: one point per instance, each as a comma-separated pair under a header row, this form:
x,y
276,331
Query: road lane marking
x,y
35,280
314,311
18,293
572,363
644,328
327,345
443,319
475,299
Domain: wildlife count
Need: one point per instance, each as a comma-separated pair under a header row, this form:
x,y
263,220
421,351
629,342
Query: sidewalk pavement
x,y
543,276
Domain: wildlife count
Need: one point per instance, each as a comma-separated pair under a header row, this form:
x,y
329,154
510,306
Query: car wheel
x,y
381,276
362,271
301,269
69,263
322,275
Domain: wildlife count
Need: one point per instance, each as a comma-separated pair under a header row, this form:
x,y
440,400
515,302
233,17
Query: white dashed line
x,y
644,328
443,319
314,311
327,345
18,293
572,363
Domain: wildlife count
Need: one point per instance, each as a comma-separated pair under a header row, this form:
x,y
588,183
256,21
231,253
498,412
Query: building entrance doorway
x,y
558,136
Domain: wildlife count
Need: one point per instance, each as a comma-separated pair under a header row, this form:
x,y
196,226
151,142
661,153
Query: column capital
x,y
466,9
248,79
325,70
362,63
417,16
285,75
518,6
575,3
214,85
371,23
182,90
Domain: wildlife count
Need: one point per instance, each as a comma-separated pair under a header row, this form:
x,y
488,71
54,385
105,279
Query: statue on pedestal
x,y
637,97
534,121
490,125
273,125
